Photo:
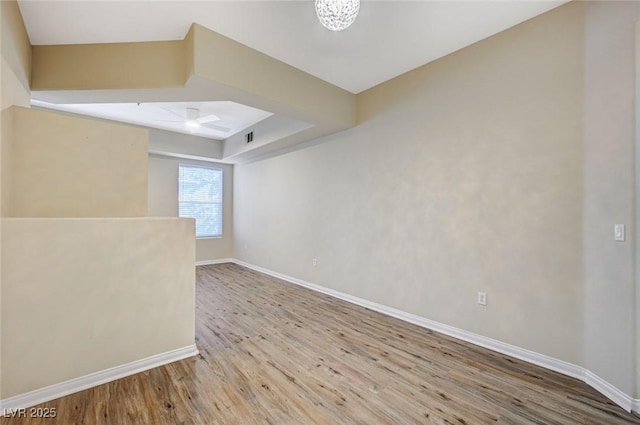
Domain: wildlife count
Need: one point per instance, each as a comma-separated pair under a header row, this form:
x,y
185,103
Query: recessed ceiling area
x,y
387,39
220,120
231,62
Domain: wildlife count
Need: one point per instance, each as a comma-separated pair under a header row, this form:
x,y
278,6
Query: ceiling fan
x,y
192,119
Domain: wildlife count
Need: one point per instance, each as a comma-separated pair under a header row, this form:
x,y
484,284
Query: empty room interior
x,y
329,212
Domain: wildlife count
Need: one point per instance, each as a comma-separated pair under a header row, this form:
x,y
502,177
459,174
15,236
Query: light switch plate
x,y
618,232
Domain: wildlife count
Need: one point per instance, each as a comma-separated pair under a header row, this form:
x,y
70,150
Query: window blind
x,y
200,197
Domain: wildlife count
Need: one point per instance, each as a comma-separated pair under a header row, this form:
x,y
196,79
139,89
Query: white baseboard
x,y
62,389
218,261
614,394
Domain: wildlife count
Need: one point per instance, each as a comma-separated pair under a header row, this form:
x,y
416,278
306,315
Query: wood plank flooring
x,y
275,353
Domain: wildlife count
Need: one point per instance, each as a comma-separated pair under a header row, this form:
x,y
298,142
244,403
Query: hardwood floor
x,y
275,353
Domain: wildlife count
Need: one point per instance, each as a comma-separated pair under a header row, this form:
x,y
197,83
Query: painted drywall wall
x,y
15,71
12,91
75,313
464,175
609,145
3,134
276,84
110,66
68,166
186,146
637,207
265,132
15,74
163,202
16,54
5,158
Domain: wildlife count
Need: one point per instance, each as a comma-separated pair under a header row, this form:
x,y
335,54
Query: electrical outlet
x,y
314,262
482,298
618,232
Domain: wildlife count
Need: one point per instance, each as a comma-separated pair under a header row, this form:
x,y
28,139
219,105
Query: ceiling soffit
x,y
205,66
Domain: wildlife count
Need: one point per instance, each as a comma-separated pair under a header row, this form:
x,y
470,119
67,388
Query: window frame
x,y
221,170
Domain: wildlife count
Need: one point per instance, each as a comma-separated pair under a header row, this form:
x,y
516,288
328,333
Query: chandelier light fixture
x,y
337,15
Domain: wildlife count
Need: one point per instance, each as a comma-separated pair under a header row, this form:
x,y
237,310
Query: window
x,y
200,197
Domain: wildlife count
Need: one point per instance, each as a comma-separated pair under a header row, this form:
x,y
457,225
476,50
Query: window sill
x,y
208,237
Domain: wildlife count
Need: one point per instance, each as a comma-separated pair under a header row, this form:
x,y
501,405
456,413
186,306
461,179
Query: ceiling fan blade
x,y
169,120
217,127
208,118
173,112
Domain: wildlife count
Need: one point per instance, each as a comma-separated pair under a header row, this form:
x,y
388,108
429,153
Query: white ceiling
x,y
389,38
231,117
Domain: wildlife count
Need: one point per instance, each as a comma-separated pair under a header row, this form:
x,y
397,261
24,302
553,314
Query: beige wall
x,y
15,74
637,209
110,66
5,160
463,176
66,166
163,202
12,91
16,56
83,295
272,84
609,158
168,143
